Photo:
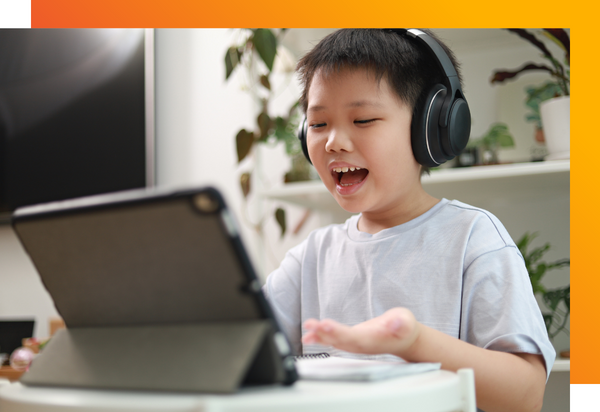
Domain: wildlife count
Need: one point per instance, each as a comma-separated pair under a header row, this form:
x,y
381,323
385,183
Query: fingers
x,y
325,332
328,332
393,332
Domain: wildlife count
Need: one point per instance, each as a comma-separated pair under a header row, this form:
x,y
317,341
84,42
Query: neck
x,y
409,209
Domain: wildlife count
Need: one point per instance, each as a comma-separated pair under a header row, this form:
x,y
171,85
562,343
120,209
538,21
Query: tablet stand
x,y
214,357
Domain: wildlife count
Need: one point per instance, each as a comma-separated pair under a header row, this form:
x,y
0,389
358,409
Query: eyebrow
x,y
357,103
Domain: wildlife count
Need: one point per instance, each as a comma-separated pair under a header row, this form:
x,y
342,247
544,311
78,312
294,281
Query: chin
x,y
351,206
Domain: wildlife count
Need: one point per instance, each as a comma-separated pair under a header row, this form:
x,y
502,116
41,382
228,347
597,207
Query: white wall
x,y
198,113
22,295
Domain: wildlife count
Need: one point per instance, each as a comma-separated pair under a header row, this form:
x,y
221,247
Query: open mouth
x,y
349,176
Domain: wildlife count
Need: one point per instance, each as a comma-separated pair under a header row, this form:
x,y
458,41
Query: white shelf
x,y
497,171
474,185
561,365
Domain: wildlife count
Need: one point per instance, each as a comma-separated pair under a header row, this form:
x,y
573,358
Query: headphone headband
x,y
444,63
439,53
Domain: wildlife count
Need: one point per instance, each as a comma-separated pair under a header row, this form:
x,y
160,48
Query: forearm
x,y
503,381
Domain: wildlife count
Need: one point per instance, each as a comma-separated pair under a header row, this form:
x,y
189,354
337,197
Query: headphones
x,y
441,121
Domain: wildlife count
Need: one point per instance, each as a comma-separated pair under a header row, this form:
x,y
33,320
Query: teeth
x,y
345,169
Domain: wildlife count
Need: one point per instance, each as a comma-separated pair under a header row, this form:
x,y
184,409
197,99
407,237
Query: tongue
x,y
354,177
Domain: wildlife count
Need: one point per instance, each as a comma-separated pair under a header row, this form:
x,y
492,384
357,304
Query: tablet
x,y
147,258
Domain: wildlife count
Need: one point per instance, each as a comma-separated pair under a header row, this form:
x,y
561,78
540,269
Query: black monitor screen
x,y
72,114
12,333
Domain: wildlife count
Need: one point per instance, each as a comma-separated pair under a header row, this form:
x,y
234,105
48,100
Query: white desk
x,y
437,391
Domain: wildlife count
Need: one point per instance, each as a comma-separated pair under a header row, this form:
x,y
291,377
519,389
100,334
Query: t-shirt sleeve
x,y
282,290
499,309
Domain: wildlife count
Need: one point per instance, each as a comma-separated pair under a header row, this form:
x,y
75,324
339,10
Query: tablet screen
x,y
155,260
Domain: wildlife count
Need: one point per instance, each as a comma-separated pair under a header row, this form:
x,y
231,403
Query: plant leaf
x,y
531,39
559,264
561,37
280,217
243,140
265,43
525,241
553,297
264,125
245,183
537,253
499,132
503,75
264,80
548,320
232,58
506,140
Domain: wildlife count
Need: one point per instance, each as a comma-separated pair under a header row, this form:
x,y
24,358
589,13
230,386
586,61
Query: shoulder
x,y
477,219
480,230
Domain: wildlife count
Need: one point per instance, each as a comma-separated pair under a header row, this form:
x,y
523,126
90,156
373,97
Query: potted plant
x,y
557,301
484,150
257,53
549,102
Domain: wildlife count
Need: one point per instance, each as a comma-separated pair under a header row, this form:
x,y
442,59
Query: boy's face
x,y
356,122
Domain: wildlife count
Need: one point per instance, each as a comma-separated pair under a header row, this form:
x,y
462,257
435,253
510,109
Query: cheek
x,y
392,157
315,146
403,145
316,150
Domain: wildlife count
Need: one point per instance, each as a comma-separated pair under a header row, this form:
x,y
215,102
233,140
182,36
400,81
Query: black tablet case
x,y
157,293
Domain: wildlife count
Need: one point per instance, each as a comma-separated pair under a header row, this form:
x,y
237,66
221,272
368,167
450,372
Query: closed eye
x,y
365,121
315,126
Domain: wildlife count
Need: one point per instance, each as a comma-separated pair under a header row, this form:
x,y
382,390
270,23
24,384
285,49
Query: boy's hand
x,y
393,332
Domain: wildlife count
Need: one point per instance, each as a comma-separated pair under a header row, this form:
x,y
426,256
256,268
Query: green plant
x,y
261,45
560,72
537,95
557,316
496,137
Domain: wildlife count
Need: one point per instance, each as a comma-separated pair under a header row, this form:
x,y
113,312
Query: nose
x,y
339,140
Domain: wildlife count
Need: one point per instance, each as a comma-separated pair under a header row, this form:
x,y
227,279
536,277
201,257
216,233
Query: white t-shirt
x,y
455,267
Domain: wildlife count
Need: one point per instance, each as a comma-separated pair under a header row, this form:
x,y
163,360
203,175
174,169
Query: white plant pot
x,y
556,120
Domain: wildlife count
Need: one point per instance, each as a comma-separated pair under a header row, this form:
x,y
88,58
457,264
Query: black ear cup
x,y
432,143
425,135
456,136
302,132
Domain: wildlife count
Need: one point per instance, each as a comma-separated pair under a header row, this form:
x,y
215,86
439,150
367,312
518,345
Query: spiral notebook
x,y
343,369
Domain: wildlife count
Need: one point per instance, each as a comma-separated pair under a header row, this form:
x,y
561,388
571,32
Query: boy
x,y
411,276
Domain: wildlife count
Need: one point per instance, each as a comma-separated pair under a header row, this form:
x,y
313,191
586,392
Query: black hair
x,y
408,68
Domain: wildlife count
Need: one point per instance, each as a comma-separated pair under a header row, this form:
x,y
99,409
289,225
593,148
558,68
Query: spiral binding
x,y
312,356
